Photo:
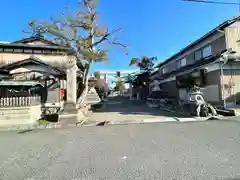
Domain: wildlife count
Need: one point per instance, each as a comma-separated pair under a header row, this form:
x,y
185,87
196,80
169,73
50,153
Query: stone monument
x,y
70,104
70,111
197,105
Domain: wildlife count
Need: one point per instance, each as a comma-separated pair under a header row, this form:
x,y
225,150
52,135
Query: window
x,y
28,50
8,50
1,49
181,62
38,51
172,66
54,52
61,53
47,51
18,50
164,70
207,51
198,55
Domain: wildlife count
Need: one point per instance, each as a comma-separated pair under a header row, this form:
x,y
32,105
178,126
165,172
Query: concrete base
x,y
69,113
69,107
68,118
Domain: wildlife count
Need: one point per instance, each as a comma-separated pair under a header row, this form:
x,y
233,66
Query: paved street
x,y
121,109
196,150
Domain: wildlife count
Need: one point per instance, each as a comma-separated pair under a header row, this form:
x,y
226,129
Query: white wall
x,y
29,68
38,43
53,60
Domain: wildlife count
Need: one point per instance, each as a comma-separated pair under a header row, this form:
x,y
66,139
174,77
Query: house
x,y
212,62
46,51
36,58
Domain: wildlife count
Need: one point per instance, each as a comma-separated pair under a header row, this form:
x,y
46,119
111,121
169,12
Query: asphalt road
x,y
197,150
122,110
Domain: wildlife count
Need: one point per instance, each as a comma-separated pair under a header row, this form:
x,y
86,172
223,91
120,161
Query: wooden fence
x,y
19,101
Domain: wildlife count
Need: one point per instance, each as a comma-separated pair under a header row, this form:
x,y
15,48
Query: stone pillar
x,y
72,85
70,111
71,88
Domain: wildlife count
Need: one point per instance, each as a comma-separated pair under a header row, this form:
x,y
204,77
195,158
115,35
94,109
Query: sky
x,y
150,28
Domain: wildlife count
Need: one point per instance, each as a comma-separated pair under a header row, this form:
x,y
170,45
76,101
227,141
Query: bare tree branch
x,y
105,37
78,32
120,44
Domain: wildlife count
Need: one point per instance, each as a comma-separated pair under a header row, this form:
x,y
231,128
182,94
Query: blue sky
x,y
153,28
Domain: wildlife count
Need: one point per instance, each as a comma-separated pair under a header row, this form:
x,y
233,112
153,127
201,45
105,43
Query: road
x,y
174,150
121,109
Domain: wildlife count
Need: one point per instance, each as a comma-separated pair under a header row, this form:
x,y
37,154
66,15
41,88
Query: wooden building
x,y
36,58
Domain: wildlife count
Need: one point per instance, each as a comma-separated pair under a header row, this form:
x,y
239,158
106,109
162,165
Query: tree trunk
x,y
84,88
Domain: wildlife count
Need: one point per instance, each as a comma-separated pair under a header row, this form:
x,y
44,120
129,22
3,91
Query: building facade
x,y
203,61
37,58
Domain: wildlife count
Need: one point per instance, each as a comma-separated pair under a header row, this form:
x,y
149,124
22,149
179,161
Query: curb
x,y
195,118
146,121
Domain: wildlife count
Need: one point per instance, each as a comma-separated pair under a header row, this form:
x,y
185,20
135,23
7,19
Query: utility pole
x,y
237,3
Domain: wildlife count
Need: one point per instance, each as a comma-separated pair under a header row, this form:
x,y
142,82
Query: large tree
x,y
145,63
97,75
83,33
119,86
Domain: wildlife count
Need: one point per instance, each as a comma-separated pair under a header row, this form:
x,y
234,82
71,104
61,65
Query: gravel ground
x,y
196,150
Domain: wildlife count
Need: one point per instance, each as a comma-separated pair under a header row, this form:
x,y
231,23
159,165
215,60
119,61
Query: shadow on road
x,y
124,106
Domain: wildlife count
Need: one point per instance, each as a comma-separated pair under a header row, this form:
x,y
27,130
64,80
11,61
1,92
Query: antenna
x,y
216,2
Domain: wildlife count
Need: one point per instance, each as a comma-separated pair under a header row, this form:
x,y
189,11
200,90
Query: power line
x,y
216,2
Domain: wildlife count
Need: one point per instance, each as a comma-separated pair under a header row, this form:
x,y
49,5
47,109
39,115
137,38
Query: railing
x,y
19,101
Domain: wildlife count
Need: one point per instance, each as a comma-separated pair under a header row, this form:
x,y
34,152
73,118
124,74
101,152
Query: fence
x,y
19,101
